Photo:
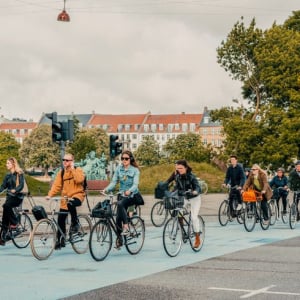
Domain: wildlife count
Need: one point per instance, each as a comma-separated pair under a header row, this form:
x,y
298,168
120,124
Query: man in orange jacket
x,y
69,183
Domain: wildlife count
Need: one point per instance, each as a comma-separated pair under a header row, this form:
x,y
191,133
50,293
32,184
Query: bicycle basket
x,y
251,196
102,210
173,202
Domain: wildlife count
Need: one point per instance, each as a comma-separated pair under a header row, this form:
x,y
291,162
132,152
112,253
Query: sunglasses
x,y
125,158
67,159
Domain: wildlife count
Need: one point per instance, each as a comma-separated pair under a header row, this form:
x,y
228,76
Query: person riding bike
x,y
186,181
235,177
294,183
279,184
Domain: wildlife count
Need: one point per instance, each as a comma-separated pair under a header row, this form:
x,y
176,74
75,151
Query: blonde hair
x,y
16,165
256,166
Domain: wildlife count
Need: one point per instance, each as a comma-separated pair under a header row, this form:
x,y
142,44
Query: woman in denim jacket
x,y
127,174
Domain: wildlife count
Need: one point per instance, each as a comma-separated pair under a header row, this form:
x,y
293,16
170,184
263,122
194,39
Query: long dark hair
x,y
184,163
132,159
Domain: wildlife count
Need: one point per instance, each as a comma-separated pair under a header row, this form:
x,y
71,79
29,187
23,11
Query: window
x,y
134,136
120,127
206,120
161,127
153,127
127,127
136,127
192,127
134,146
177,127
146,127
170,127
184,127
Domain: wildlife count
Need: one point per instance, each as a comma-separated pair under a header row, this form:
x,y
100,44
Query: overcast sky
x,y
121,56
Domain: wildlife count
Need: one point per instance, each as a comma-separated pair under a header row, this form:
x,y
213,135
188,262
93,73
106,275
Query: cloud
x,y
120,56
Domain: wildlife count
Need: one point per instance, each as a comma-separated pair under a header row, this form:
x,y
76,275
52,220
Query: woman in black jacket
x,y
13,183
186,181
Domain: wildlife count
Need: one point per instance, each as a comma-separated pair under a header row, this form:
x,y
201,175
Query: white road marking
x,y
251,293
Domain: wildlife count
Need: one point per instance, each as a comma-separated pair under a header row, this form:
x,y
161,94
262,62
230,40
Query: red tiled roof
x,y
18,125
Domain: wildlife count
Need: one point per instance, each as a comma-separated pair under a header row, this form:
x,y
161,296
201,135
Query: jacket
x,y
9,183
71,185
263,181
235,176
294,181
186,182
128,179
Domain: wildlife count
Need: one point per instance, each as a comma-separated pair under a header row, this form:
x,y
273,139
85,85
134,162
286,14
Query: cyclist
x,y
235,177
294,183
69,182
13,183
186,181
127,174
258,181
280,181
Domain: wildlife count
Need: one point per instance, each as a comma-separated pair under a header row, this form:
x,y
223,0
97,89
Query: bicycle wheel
x,y
80,239
250,216
172,237
293,216
284,215
43,239
135,240
273,211
100,242
265,224
21,236
192,234
158,214
224,213
204,188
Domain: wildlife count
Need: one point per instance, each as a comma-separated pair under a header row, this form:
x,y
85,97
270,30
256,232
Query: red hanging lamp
x,y
63,16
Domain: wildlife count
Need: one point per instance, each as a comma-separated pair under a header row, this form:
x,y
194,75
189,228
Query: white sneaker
x,y
125,232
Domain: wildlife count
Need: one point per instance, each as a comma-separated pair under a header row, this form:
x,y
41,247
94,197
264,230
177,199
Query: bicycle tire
x,y
43,239
241,215
158,214
80,239
135,240
250,216
223,214
23,233
100,241
284,216
172,237
265,224
293,216
192,234
274,211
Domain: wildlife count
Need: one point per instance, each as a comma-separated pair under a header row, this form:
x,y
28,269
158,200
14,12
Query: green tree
x,y
9,147
38,150
87,140
187,146
147,153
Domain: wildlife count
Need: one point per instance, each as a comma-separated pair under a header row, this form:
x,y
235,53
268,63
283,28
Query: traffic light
x,y
68,130
115,148
57,127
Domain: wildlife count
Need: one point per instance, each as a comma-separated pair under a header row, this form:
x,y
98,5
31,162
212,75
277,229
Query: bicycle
x,y
45,232
20,236
253,213
100,242
179,229
294,210
277,212
203,186
159,213
136,209
225,214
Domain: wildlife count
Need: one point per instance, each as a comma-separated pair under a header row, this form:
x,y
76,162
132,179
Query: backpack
x,y
84,184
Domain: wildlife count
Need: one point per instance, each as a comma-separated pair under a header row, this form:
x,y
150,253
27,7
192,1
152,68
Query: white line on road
x,y
251,293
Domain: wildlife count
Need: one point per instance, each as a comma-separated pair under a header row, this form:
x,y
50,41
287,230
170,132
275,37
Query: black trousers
x,y
61,220
9,216
234,199
123,204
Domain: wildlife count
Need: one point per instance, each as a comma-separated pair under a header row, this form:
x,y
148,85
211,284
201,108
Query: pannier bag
x,y
102,210
39,212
